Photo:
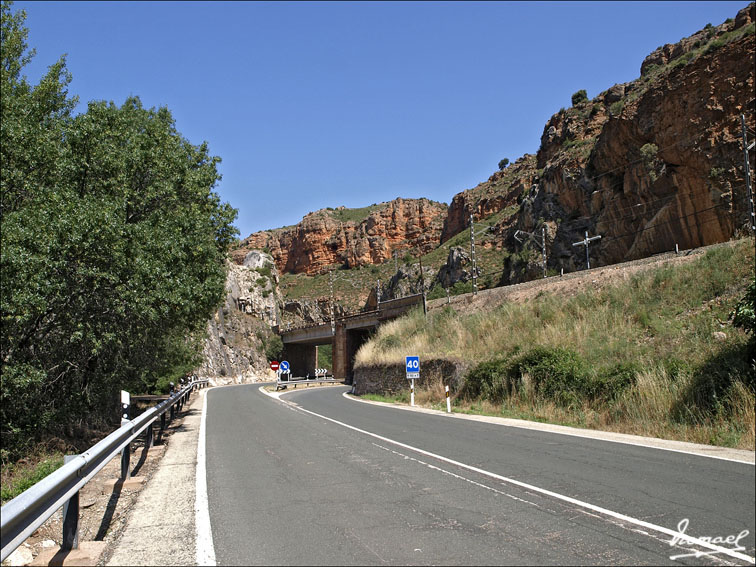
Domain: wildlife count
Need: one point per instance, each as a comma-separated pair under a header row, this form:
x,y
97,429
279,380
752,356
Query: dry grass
x,y
660,319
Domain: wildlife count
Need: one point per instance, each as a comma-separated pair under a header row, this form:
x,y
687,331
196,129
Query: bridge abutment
x,y
303,359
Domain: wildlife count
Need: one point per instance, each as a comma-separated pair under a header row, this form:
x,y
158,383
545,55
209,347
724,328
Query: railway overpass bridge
x,y
346,335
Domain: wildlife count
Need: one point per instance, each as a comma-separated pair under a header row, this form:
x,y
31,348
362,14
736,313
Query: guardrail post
x,y
70,518
149,438
126,452
173,407
162,427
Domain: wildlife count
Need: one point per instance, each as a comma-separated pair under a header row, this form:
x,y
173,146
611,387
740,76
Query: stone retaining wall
x,y
391,379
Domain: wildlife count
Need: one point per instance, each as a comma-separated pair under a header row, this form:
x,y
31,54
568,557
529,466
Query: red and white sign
x,y
274,365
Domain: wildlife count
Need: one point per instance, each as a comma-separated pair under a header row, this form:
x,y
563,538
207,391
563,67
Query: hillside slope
x,y
646,347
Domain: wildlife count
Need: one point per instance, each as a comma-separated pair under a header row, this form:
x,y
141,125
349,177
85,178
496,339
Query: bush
x,y
556,373
491,380
610,384
578,97
743,315
503,163
272,345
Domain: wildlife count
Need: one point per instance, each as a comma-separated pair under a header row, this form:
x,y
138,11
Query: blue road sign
x,y
284,366
412,367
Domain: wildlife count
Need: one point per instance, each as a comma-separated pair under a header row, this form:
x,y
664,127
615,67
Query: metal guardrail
x,y
20,517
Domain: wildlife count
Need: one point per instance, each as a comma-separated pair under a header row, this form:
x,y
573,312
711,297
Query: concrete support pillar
x,y
339,353
303,359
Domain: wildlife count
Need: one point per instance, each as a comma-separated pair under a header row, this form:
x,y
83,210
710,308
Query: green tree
x,y
113,249
579,96
503,163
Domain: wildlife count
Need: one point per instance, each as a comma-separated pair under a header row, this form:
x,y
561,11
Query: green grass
x,y
354,215
19,477
638,356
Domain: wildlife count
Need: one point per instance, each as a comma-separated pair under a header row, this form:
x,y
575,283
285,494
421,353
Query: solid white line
x,y
629,519
564,430
205,549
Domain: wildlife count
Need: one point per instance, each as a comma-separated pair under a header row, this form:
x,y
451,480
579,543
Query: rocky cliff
x,y
650,164
331,237
239,335
647,165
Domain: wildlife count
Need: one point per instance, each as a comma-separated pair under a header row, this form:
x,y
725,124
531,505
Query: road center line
x,y
629,519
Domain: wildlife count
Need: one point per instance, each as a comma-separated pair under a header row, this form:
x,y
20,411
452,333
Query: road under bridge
x,y
346,335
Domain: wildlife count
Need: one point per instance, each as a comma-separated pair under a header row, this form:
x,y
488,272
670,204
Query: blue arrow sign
x,y
412,367
284,366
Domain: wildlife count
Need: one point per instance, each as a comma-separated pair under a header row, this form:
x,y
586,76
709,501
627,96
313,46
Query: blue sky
x,y
322,104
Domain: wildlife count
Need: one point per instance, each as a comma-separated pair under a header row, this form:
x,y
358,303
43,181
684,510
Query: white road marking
x,y
205,549
574,501
611,437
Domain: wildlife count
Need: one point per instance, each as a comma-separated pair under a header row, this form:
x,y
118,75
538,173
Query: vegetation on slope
x,y
656,354
113,251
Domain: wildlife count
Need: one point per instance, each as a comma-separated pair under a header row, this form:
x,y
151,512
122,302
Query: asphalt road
x,y
325,480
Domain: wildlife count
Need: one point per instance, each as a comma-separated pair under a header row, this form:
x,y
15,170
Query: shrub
x,y
610,384
491,380
556,373
503,163
616,107
743,315
579,96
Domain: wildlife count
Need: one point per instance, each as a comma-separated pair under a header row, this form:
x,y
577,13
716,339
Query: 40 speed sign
x,y
412,367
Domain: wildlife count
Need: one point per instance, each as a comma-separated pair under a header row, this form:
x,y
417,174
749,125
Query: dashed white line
x,y
574,501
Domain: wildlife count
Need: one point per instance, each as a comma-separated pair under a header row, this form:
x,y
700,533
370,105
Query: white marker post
x,y
448,403
412,367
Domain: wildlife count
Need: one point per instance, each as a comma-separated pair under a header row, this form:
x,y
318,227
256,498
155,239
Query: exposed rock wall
x,y
647,165
240,329
651,163
320,240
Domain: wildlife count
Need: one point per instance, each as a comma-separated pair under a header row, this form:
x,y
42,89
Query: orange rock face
x,y
657,162
648,165
321,240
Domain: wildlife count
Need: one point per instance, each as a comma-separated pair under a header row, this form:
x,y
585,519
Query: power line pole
x,y
747,167
472,254
333,319
533,237
422,286
585,243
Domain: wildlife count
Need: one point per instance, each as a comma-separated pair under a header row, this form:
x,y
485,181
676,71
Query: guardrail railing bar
x,y
24,514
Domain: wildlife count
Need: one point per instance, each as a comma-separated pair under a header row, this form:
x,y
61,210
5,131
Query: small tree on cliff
x,y
578,97
503,163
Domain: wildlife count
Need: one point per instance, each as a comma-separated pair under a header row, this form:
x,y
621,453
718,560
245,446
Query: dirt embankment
x,y
567,285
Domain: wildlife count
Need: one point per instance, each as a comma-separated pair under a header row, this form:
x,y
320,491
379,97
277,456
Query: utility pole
x,y
422,286
585,243
333,318
472,254
518,233
747,168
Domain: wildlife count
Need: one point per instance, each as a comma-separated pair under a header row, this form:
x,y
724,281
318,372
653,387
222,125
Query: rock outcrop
x,y
240,331
322,239
648,165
